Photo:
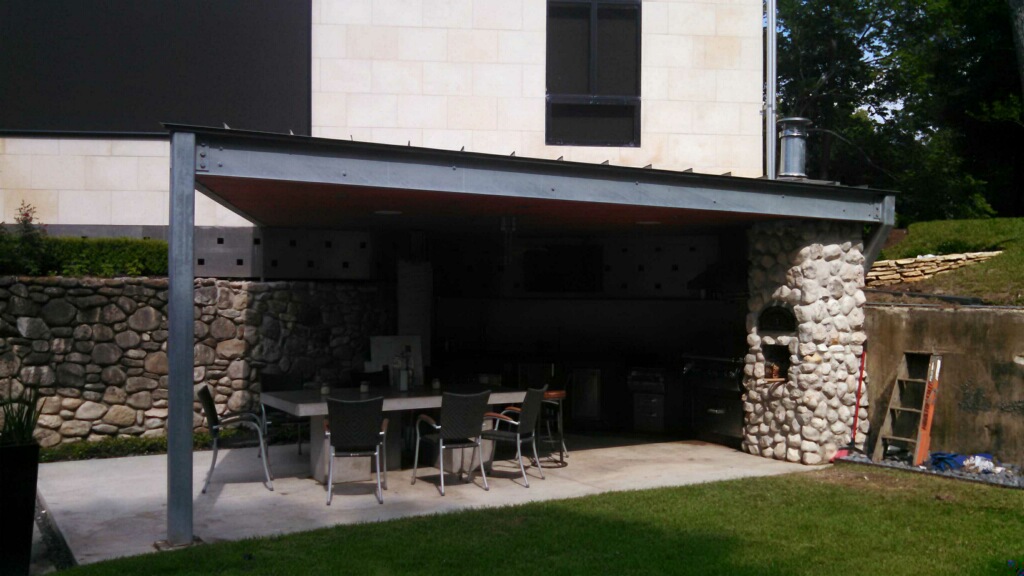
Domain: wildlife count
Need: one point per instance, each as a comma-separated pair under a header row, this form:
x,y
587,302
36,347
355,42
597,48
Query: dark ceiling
x,y
327,206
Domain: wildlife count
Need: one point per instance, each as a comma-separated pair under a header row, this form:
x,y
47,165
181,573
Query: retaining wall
x,y
888,272
96,349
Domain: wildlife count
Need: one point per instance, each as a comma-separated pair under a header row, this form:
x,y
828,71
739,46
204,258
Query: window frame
x,y
591,98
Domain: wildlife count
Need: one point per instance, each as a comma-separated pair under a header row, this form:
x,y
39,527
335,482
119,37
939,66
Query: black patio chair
x,y
272,417
520,429
462,422
357,428
218,422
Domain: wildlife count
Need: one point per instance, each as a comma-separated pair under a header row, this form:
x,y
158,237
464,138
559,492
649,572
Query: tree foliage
x,y
920,96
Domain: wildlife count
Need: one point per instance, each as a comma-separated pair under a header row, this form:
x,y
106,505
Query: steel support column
x,y
180,343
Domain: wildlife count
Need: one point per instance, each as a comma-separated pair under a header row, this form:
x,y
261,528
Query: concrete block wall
x,y
471,73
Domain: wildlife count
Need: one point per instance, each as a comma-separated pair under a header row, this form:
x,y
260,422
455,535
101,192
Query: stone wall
x,y
816,272
96,349
888,272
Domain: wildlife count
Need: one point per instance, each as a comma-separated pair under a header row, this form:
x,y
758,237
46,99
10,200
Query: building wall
x,y
95,350
96,181
471,73
447,74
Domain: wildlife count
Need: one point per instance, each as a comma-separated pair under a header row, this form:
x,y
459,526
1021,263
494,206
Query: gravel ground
x,y
1010,477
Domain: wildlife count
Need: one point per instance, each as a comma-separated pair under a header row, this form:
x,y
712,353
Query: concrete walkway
x,y
117,507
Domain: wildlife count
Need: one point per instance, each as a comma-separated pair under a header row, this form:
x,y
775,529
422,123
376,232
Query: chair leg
x,y
213,462
480,460
561,433
330,475
384,449
537,458
440,463
266,465
519,458
416,458
380,495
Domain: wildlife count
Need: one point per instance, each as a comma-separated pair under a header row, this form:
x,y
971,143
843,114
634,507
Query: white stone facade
x,y
816,271
95,181
471,73
448,74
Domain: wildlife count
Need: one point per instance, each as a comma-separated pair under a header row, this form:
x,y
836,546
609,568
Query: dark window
x,y
593,72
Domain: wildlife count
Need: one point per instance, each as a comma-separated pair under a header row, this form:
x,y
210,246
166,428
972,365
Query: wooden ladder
x,y
908,418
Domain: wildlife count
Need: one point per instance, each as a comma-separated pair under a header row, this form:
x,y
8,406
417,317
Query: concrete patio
x,y
117,507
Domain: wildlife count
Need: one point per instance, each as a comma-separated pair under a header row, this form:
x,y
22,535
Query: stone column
x,y
816,270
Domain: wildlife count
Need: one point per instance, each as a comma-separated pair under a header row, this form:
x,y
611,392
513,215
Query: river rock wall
x,y
96,350
813,273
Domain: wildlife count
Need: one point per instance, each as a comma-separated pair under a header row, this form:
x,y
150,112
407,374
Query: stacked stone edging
x,y
817,271
888,272
96,349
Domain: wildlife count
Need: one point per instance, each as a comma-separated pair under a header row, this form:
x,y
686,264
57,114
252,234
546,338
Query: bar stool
x,y
552,403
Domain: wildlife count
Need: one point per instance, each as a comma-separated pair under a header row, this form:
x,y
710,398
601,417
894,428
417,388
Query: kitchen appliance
x,y
716,386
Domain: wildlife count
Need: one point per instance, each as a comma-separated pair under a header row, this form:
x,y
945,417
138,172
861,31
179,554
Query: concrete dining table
x,y
312,403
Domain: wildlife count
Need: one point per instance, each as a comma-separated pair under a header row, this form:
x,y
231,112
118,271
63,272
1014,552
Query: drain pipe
x,y
770,131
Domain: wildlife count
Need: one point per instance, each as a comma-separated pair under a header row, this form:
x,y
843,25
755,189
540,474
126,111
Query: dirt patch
x,y
863,478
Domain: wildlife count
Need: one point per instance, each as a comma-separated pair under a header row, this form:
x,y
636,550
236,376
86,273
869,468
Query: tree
x,y
920,96
1017,21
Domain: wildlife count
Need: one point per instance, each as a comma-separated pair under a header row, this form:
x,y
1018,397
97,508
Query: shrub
x,y
28,250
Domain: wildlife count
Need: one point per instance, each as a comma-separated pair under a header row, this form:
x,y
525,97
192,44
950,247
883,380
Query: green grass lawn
x,y
997,281
845,520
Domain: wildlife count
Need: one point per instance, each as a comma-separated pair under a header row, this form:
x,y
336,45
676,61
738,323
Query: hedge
x,y
102,257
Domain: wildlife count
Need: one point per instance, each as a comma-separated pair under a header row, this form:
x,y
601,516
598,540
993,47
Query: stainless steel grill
x,y
716,387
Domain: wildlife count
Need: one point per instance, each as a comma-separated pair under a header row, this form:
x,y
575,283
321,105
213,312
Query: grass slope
x,y
844,520
997,281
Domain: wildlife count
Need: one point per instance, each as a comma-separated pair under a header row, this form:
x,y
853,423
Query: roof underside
x,y
300,182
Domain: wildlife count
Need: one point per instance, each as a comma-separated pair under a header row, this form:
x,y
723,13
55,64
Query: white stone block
x,y
668,51
372,43
674,118
15,171
715,118
398,136
398,12
497,80
418,111
154,174
346,11
44,201
84,147
472,45
534,80
721,52
447,78
58,172
372,110
654,19
493,142
84,207
155,147
516,114
32,146
393,77
497,15
448,14
139,208
329,41
521,47
351,76
739,20
423,44
472,113
691,19
330,109
535,16
694,85
111,173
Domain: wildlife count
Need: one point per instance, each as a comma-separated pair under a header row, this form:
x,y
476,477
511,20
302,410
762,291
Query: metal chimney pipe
x,y
793,148
771,91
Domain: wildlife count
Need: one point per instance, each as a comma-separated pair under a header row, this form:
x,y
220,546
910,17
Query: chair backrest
x,y
210,409
531,410
355,424
462,415
278,382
